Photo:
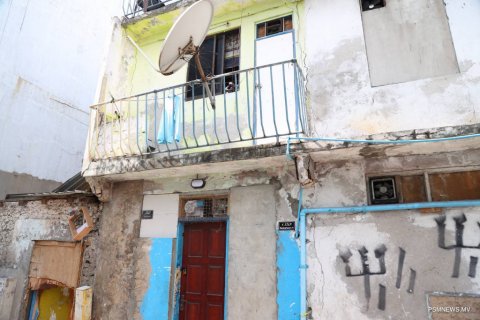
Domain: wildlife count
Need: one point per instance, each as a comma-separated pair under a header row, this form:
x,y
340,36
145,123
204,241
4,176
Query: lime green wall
x,y
149,33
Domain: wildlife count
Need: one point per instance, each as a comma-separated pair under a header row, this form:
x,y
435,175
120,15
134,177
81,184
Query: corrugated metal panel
x,y
75,183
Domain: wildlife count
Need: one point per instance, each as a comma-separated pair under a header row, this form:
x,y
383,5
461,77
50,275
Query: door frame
x,y
179,257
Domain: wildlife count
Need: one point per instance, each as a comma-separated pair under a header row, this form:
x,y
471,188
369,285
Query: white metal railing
x,y
257,105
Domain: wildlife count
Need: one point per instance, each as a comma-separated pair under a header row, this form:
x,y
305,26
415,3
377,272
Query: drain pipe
x,y
357,209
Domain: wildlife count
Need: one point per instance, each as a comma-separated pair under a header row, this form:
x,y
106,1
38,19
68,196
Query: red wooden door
x,y
203,271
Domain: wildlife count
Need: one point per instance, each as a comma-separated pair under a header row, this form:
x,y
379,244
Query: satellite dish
x,y
184,39
183,42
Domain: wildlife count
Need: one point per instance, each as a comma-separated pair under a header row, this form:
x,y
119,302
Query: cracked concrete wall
x,y
114,289
334,295
124,266
125,272
342,101
20,224
51,53
251,254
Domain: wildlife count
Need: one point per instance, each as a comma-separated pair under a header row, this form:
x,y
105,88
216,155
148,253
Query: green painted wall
x,y
149,34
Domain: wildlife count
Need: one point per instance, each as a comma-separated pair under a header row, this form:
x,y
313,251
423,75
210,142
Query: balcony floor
x,y
272,156
207,162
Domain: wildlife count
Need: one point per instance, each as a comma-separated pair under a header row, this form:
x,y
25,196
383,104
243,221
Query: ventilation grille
x,y
205,207
383,190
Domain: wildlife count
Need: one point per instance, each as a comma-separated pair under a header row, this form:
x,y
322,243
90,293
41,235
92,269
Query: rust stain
x,y
369,152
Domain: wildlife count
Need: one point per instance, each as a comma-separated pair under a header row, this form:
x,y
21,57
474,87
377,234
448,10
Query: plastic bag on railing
x,y
170,121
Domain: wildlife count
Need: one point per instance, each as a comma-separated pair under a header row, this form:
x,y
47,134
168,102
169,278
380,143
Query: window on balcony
x,y
275,26
219,54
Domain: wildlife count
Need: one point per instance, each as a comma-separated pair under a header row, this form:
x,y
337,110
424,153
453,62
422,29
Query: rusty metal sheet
x,y
455,186
443,306
413,189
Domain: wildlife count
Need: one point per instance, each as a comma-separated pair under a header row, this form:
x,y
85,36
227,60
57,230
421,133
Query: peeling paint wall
x,y
34,220
341,98
128,73
228,15
251,254
336,241
130,277
114,289
425,266
128,261
51,53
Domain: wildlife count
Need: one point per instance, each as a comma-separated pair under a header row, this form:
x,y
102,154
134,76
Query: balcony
x,y
261,105
135,8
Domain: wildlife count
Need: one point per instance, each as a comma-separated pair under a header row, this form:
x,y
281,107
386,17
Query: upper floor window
x,y
219,54
275,26
372,4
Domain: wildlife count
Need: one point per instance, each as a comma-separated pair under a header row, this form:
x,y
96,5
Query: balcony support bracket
x,y
305,168
102,189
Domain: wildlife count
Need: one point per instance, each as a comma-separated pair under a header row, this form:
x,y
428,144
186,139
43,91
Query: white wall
x,y
51,53
344,103
408,40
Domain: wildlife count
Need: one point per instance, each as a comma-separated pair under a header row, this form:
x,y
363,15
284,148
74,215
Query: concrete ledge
x,y
271,155
123,165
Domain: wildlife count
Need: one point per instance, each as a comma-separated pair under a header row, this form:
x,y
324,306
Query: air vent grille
x,y
383,190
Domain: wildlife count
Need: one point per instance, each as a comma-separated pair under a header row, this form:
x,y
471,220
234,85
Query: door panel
x,y
195,279
275,86
215,281
203,271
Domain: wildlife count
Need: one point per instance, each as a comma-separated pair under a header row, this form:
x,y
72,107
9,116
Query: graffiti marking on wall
x,y
366,273
458,246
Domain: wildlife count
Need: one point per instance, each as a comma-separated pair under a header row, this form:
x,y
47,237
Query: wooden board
x,y
55,262
453,307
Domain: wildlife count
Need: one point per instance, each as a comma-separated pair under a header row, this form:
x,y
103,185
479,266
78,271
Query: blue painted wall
x,y
178,264
288,276
155,302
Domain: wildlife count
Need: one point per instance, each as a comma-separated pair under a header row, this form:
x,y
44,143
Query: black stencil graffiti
x,y
413,273
382,292
458,246
472,271
366,272
411,281
401,260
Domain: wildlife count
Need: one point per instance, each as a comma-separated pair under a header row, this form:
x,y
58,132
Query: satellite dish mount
x,y
194,52
186,53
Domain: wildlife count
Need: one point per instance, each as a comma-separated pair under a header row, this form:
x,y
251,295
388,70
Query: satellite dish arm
x,y
204,80
143,54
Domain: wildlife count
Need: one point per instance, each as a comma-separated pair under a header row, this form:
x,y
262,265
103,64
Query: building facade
x,y
335,177
51,55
